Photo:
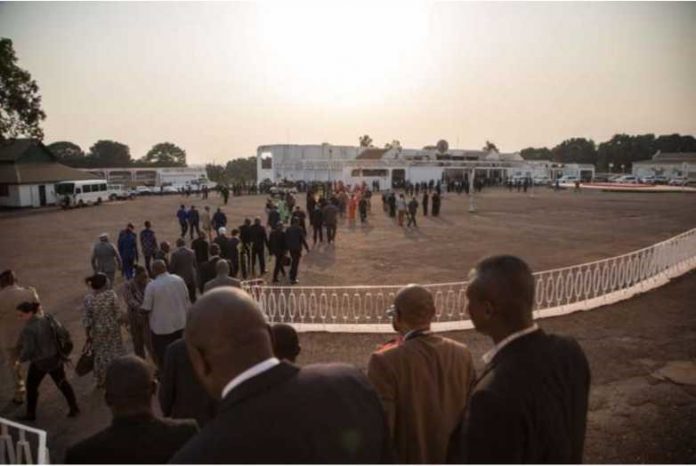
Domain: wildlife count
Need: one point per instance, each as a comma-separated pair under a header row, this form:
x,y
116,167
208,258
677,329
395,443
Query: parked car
x,y
627,179
169,190
119,191
648,180
143,190
541,180
678,181
568,179
660,179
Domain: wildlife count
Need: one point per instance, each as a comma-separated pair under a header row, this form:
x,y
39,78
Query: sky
x,y
220,79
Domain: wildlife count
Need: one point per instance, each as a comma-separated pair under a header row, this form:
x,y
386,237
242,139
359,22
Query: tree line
x,y
614,155
107,153
236,171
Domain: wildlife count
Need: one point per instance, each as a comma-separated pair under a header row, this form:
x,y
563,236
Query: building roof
x,y
675,157
669,158
28,161
372,153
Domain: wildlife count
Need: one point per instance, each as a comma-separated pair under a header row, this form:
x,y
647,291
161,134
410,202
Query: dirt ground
x,y
634,416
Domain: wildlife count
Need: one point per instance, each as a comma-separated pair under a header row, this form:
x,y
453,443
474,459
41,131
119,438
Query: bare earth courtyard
x,y
635,416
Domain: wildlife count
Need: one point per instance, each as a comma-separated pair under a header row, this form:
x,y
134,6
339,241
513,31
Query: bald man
x,y
423,381
530,403
136,435
272,411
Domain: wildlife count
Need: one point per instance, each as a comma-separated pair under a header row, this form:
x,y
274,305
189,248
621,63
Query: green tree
x,y
106,153
575,150
675,143
20,102
531,153
490,147
165,154
242,170
365,141
216,173
69,153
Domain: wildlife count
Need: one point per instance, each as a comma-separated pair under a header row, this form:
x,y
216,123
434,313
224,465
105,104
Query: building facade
x,y
29,172
393,166
670,165
154,176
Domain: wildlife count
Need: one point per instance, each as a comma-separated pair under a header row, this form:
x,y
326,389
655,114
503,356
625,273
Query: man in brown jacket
x,y
423,382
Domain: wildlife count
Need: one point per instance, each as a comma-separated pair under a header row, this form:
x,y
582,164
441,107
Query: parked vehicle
x,y
82,192
678,181
568,179
541,180
647,180
119,191
660,179
169,190
627,179
143,190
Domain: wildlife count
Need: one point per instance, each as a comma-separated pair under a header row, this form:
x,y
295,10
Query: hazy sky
x,y
220,79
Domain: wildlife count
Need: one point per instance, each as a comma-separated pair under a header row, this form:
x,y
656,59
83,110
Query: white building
x,y
670,165
29,173
390,166
153,176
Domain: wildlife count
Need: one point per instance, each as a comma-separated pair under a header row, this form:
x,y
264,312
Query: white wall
x,y
28,196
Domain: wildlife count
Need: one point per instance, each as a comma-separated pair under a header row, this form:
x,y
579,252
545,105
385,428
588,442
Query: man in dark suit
x,y
181,396
136,435
259,242
530,403
183,263
278,247
271,411
294,241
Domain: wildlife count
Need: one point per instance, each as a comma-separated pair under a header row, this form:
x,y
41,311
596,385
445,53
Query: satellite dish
x,y
442,146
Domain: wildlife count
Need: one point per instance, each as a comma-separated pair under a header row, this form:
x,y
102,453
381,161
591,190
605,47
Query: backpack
x,y
63,339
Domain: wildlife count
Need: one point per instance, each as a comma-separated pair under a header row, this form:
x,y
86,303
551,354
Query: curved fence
x,y
20,444
361,309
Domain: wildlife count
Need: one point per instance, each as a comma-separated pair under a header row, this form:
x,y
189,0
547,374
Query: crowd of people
x,y
230,391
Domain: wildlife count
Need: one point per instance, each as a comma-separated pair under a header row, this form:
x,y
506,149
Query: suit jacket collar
x,y
259,384
511,347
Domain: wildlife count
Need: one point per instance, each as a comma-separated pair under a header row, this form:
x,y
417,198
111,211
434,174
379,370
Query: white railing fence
x,y
20,444
361,309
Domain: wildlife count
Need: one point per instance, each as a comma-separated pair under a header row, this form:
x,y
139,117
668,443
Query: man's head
x,y
164,246
247,221
226,334
182,206
222,268
180,242
222,231
148,224
257,221
202,234
286,343
214,249
414,309
7,278
130,384
193,207
158,267
130,227
500,296
207,208
104,237
140,275
98,281
235,232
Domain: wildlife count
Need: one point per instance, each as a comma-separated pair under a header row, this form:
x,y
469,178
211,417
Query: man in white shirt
x,y
166,301
270,411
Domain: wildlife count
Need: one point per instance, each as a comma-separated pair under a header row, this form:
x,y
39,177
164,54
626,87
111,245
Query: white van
x,y
82,192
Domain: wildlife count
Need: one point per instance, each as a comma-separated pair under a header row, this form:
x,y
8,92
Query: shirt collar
x,y
488,356
253,371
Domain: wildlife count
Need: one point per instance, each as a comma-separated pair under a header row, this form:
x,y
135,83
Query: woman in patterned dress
x,y
102,321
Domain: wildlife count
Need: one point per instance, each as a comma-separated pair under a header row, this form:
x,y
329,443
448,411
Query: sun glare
x,y
344,53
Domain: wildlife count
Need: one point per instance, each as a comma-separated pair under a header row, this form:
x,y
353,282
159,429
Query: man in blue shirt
x,y
128,249
182,215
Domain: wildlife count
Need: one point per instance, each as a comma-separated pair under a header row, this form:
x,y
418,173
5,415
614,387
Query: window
x,y
87,188
355,172
4,190
375,172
